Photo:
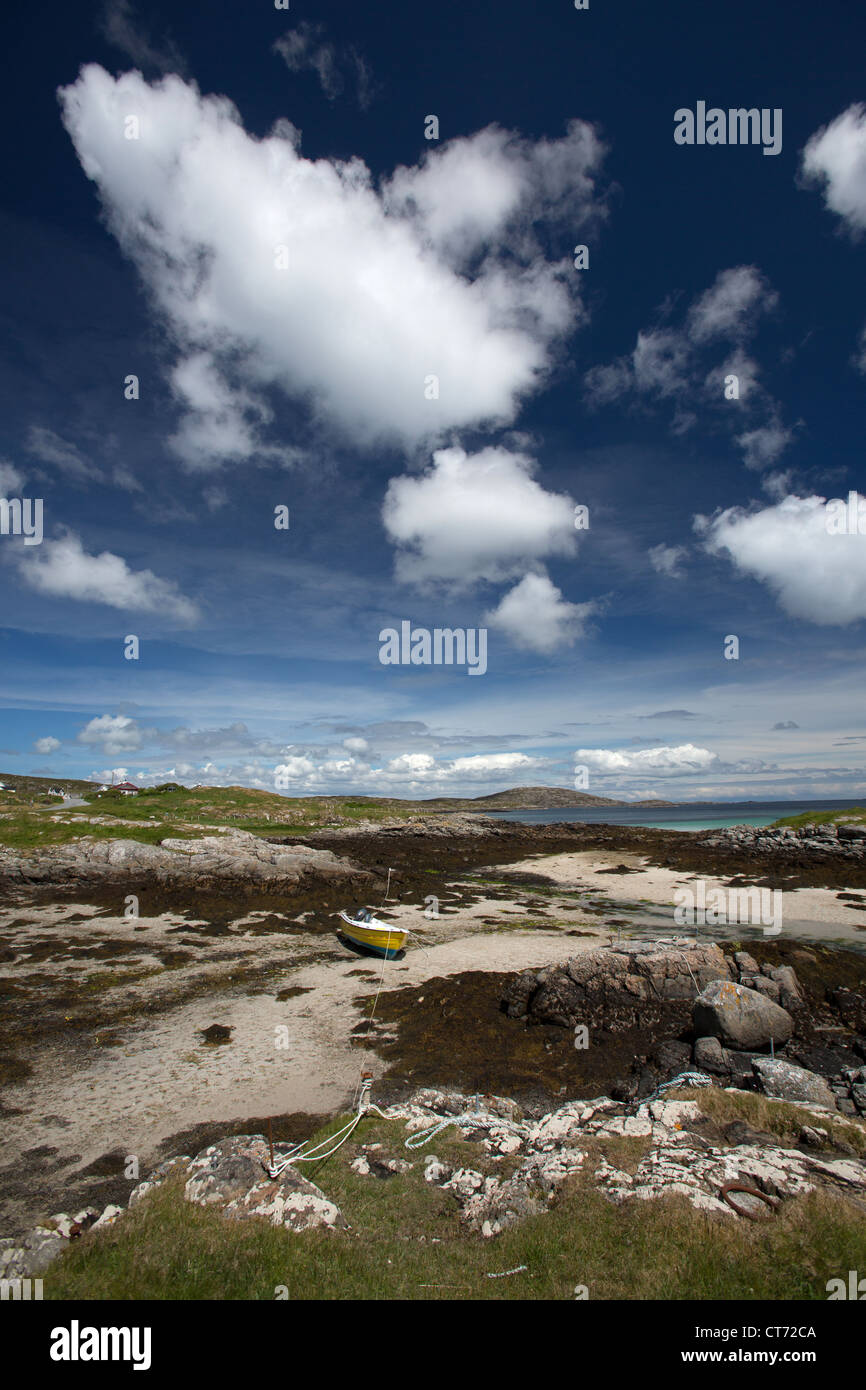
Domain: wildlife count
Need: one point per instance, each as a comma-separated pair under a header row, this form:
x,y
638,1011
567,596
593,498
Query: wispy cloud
x,y
305,49
120,26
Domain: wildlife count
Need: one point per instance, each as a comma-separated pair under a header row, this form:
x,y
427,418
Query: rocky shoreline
x,y
232,860
741,1026
357,857
816,841
459,1038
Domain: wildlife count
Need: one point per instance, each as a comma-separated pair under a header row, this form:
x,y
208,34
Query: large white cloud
x,y
377,295
815,575
63,569
475,517
685,757
114,733
835,160
534,615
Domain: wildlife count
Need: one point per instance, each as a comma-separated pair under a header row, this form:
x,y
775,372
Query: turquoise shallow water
x,y
704,816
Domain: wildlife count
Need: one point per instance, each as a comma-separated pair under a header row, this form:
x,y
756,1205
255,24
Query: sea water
x,y
706,815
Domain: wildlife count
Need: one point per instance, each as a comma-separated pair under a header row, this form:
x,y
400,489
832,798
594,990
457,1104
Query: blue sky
x,y
386,334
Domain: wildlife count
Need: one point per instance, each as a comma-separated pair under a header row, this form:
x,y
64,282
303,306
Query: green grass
x,y
180,813
775,1117
406,1242
854,814
26,830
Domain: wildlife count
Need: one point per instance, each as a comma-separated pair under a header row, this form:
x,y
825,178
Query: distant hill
x,y
38,786
536,799
513,799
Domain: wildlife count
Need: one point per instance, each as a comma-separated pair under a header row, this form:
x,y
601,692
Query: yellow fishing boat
x,y
380,938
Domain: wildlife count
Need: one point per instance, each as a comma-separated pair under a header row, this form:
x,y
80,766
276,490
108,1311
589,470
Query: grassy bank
x,y
30,818
853,815
406,1242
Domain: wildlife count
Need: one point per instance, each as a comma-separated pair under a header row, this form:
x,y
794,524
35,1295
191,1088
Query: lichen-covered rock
x,y
158,1177
111,1214
233,1175
740,1018
289,1200
227,1170
710,1056
783,1081
31,1254
435,1170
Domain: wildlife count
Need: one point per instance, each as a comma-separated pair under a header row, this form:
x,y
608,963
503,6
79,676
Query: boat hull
x,y
383,941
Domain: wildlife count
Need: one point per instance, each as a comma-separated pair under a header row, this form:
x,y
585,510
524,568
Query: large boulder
x,y
631,984
740,1018
783,1081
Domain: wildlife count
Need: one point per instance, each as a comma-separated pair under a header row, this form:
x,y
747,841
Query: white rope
x,y
316,1154
685,1078
467,1119
417,1141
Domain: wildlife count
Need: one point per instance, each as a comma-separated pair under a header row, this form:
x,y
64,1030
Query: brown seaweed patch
x,y
13,1070
216,1034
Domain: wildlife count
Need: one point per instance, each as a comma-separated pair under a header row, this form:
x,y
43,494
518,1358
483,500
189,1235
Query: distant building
x,y
127,788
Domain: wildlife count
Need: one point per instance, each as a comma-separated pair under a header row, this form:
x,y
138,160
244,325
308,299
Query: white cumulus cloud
x,y
375,296
835,160
11,479
814,574
685,757
667,560
115,733
730,307
534,615
64,569
47,745
475,517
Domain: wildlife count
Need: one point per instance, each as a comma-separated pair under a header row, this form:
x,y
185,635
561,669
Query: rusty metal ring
x,y
772,1202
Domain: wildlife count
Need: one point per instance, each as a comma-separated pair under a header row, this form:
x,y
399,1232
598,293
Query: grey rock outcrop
x,y
233,859
616,987
836,840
